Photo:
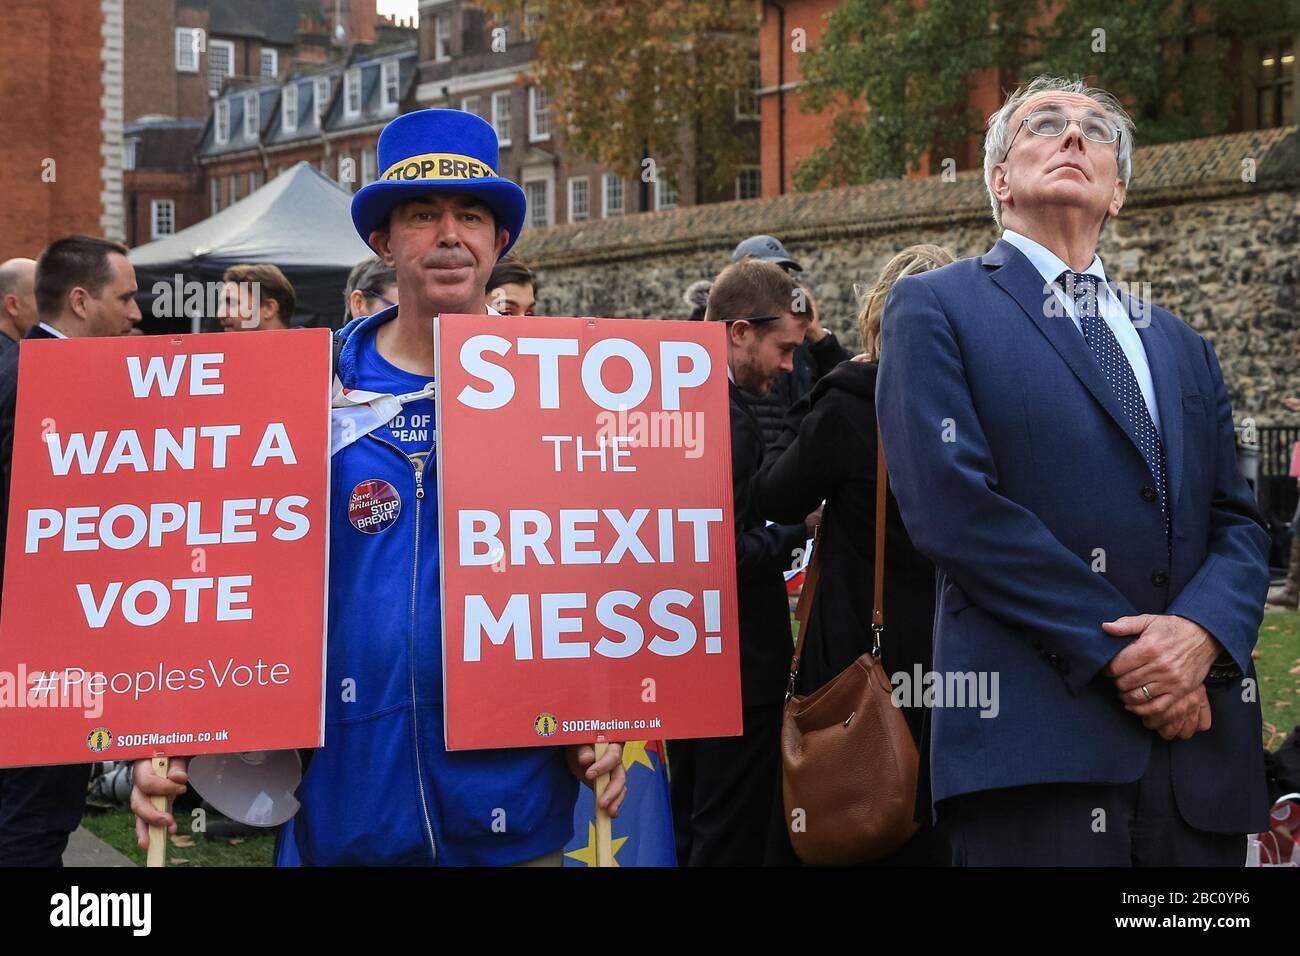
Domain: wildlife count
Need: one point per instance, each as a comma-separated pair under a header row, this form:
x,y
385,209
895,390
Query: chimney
x,y
362,15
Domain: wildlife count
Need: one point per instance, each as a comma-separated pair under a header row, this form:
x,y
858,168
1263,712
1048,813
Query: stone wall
x,y
1210,244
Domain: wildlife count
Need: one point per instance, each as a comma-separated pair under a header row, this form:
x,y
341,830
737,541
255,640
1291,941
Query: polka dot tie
x,y
1115,366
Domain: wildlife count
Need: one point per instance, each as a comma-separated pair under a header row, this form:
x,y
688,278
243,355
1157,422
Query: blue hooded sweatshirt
x,y
384,790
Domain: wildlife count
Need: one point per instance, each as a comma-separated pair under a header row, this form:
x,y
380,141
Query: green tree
x,y
896,75
1171,64
627,79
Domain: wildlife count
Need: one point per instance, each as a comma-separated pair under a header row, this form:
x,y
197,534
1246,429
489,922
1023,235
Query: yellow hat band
x,y
436,166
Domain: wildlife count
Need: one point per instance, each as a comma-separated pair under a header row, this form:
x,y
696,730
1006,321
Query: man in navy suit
x,y
85,286
1065,455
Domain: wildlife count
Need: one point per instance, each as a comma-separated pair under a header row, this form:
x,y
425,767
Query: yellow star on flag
x,y
634,752
587,855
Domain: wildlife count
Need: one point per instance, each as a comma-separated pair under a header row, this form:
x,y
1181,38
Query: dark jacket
x,y
1038,506
828,451
8,406
811,362
763,553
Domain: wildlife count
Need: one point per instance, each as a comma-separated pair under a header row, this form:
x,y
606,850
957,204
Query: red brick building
x,y
60,123
330,117
1267,69
460,69
184,57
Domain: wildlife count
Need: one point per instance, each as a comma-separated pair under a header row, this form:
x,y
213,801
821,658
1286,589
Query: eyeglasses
x,y
372,294
757,318
1051,123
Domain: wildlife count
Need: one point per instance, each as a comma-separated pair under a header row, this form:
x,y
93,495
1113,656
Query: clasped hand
x,y
1160,676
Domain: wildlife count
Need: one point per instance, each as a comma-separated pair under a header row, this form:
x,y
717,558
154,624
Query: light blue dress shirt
x,y
1050,266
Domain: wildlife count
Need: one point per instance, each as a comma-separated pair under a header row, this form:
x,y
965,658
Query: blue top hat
x,y
438,151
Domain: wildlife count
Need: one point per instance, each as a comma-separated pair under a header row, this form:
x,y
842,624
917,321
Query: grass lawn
x,y
1277,662
117,829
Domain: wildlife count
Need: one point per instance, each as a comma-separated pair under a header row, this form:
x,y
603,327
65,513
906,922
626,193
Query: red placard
x,y
588,552
165,569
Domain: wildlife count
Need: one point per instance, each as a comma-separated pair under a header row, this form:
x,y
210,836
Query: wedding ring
x,y
1145,691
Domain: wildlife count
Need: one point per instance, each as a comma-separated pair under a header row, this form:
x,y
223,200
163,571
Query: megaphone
x,y
255,787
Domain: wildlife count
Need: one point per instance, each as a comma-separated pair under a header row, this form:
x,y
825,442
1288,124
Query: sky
x,y
401,8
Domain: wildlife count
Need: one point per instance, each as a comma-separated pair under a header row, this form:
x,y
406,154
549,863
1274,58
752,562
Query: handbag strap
x,y
804,607
882,493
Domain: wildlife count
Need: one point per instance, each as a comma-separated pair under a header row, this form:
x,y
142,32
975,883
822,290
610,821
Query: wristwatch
x,y
1223,669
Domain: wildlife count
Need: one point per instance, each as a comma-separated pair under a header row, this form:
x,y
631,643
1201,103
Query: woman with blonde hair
x,y
827,452
912,260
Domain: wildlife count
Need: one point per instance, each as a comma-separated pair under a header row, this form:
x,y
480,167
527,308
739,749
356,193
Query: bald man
x,y
17,300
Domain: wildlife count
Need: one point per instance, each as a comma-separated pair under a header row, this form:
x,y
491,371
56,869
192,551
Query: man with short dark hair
x,y
819,352
512,288
256,296
17,300
384,790
85,287
724,789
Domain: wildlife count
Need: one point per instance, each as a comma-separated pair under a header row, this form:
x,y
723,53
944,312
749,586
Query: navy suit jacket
x,y
1017,474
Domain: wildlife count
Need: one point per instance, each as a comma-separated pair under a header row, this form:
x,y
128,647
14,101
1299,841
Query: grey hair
x,y
1000,132
368,275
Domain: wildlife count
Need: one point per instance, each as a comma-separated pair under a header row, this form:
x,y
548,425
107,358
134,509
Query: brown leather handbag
x,y
849,761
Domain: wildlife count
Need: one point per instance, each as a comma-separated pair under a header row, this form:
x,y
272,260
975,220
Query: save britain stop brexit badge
x,y
373,506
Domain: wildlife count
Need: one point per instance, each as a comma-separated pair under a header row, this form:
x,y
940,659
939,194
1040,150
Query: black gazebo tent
x,y
299,221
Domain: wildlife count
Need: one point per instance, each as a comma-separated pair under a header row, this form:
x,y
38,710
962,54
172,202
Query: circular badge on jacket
x,y
374,506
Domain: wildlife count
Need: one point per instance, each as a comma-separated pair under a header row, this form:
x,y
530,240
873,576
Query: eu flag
x,y
643,829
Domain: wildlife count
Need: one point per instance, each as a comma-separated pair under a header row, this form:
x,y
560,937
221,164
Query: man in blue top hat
x,y
384,790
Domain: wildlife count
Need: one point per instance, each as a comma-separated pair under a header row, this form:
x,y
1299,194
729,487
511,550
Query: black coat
x,y
763,553
811,362
828,451
8,405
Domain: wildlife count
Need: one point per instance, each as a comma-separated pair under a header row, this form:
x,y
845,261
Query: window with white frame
x,y
501,116
442,37
749,182
270,63
613,195
252,119
162,217
320,97
289,108
352,93
128,153
538,193
325,165
234,188
579,199
665,194
369,169
214,196
189,40
539,116
254,180
221,122
471,104
221,64
388,77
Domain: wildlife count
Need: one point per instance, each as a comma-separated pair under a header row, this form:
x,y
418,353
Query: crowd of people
x,y
1064,513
